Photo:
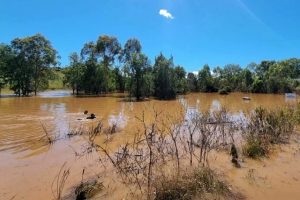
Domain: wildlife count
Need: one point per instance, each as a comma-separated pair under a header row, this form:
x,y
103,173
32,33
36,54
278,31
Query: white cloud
x,y
166,14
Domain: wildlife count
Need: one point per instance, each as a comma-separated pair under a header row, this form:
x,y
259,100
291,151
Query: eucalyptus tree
x,y
6,57
132,46
192,82
132,49
34,56
108,48
180,80
139,66
205,80
74,73
120,79
246,80
164,78
93,74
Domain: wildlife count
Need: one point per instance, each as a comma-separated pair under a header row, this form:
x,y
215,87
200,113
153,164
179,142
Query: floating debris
x,y
92,116
247,98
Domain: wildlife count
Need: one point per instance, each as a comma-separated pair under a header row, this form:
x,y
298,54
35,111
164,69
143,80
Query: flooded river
x,y
28,166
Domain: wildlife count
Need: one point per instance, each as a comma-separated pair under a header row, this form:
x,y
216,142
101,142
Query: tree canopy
x,y
104,66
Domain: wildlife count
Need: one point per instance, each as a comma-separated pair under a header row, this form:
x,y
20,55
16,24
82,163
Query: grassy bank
x,y
6,91
57,80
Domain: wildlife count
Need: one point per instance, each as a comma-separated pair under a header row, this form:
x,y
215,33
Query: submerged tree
x,y
131,49
6,58
164,78
108,47
192,82
180,80
91,78
74,73
139,66
205,80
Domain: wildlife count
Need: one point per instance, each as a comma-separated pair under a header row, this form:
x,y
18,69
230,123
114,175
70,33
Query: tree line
x,y
104,66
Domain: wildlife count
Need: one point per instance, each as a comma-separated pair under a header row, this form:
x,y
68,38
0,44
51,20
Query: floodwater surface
x,y
28,165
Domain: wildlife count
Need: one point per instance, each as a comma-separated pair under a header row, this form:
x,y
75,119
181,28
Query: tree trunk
x,y
35,80
137,89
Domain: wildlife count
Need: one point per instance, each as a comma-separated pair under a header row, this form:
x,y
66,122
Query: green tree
x,y
247,80
120,79
192,82
74,73
132,47
164,80
180,80
205,80
6,57
138,68
108,48
258,85
37,55
92,76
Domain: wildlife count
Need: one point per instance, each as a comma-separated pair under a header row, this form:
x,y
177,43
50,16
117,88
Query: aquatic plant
x,y
59,182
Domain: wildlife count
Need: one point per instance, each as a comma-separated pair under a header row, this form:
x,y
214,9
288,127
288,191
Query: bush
x,y
255,149
199,184
223,92
267,127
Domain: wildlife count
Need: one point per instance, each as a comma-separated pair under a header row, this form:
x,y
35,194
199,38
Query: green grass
x,y
57,81
6,91
255,149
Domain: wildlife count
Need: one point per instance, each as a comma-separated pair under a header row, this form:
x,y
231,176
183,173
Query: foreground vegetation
x,y
266,128
202,183
105,66
169,156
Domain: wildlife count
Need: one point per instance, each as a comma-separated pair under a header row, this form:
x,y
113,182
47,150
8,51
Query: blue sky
x,y
195,32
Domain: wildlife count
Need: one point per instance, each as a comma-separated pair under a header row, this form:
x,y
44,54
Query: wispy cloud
x,y
166,14
250,12
256,18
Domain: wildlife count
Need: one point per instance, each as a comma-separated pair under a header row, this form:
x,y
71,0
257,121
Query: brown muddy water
x,y
28,165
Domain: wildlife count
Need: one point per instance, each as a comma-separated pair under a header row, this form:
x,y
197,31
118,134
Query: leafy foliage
x,y
105,66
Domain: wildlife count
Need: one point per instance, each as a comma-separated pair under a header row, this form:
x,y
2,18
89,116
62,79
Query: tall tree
x,y
138,68
205,80
120,79
74,73
6,57
164,78
132,47
192,82
180,80
246,79
35,55
108,47
92,76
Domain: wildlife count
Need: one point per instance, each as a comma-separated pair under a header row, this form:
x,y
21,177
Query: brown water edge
x,y
28,166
